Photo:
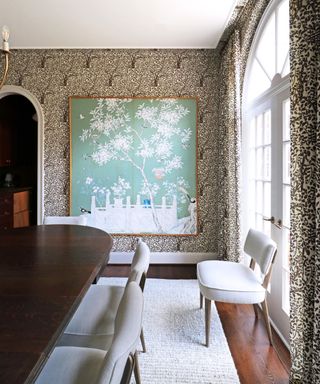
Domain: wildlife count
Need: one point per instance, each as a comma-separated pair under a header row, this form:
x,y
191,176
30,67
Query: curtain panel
x,y
234,48
305,191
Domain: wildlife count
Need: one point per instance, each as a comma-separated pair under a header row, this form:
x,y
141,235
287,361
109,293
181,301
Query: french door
x,y
267,190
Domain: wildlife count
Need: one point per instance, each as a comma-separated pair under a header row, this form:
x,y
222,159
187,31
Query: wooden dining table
x,y
45,271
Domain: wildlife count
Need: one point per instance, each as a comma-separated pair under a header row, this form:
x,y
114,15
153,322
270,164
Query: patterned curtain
x,y
305,200
229,150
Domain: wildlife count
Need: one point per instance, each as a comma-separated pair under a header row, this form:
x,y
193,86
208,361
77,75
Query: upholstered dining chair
x,y
78,365
75,220
232,282
93,322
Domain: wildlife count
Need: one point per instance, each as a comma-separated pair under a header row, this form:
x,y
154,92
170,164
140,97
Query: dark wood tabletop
x,y
44,273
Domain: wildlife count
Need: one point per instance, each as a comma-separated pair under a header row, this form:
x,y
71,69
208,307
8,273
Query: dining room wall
x,y
54,75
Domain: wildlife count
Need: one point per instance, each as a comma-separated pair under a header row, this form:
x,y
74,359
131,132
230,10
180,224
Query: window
x,y
270,61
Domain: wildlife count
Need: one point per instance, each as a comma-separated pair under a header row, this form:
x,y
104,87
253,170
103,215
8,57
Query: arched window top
x,y
270,55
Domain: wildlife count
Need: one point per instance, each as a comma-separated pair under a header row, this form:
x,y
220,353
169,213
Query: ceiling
x,y
115,23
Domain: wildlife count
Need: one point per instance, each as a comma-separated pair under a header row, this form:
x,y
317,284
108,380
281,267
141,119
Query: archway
x,y
38,118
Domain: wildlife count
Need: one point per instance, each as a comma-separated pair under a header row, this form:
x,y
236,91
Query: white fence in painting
x,y
125,217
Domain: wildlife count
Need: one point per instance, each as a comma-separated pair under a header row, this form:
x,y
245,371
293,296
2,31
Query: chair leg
x,y
201,301
126,377
207,304
143,343
266,319
256,312
136,369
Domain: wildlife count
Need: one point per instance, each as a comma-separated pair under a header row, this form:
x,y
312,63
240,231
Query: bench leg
x,y
207,303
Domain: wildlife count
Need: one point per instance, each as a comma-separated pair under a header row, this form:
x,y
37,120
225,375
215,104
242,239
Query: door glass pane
x,y
259,222
267,229
259,163
259,197
267,199
267,163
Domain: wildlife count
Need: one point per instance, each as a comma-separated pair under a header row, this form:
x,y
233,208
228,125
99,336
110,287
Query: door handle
x,y
273,221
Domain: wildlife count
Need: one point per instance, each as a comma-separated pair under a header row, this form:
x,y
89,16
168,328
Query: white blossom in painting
x,y
119,189
145,139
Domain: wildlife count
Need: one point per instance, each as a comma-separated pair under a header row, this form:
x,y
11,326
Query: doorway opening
x,y
266,149
21,147
18,153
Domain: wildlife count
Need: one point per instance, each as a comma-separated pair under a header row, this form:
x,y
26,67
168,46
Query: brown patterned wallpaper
x,y
54,75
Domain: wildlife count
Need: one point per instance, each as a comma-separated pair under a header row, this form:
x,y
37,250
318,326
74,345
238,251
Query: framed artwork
x,y
134,164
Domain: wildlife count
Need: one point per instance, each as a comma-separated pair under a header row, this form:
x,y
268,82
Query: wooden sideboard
x,y
14,207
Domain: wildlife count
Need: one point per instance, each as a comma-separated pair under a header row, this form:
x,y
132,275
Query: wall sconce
x,y
6,52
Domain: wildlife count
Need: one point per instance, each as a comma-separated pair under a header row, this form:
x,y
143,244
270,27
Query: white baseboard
x,y
164,257
285,342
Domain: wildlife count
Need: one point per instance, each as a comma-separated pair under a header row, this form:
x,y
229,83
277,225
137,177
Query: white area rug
x,y
174,333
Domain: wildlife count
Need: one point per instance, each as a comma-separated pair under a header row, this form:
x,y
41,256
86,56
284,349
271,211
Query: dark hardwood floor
x,y
256,361
158,271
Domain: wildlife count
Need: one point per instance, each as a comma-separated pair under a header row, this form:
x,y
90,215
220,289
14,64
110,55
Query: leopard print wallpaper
x,y
54,75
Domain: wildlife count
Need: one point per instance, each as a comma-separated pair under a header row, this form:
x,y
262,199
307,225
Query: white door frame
x,y
16,90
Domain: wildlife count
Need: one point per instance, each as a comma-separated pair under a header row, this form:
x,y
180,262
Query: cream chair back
x,y
128,323
140,264
261,249
71,220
